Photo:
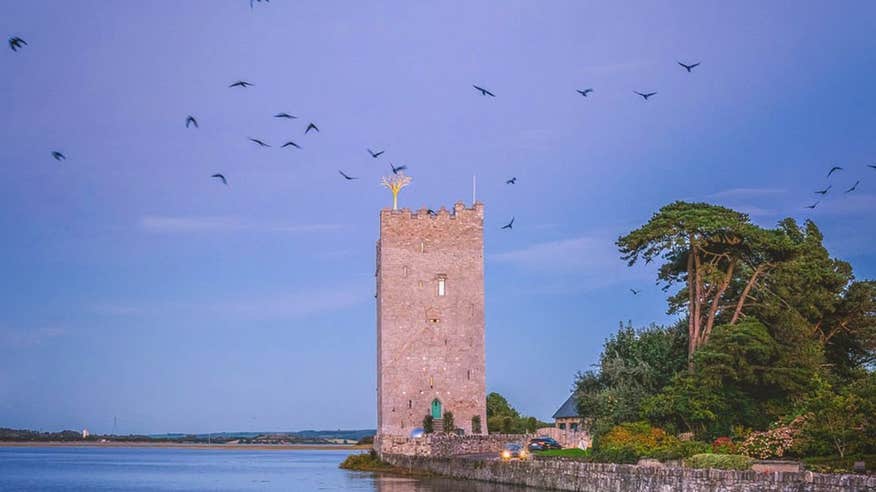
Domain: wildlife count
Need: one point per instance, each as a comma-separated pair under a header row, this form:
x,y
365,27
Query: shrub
x,y
428,424
773,443
723,445
476,424
626,443
365,462
449,424
719,461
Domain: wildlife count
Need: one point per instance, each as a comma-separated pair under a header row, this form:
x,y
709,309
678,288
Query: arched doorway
x,y
436,409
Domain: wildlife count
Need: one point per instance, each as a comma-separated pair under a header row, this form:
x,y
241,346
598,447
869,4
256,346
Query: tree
x,y
844,420
703,246
634,365
428,424
503,418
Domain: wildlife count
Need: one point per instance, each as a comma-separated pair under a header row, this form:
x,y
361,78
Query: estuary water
x,y
168,469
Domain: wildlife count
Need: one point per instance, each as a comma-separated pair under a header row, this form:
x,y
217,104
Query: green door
x,y
436,409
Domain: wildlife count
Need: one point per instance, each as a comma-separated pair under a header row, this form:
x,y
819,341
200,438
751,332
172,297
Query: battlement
x,y
459,211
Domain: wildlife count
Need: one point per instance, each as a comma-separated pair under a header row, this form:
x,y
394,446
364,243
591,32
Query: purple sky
x,y
135,286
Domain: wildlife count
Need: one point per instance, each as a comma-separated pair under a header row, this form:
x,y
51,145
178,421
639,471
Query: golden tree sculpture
x,y
395,183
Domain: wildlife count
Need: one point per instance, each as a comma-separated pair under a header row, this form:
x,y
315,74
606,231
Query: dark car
x,y
513,450
543,443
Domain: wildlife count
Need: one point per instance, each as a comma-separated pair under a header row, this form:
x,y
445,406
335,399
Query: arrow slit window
x,y
442,285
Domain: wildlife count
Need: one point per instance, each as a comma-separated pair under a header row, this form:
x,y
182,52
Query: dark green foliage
x,y
626,443
503,418
449,424
634,365
476,424
428,424
570,453
841,421
719,461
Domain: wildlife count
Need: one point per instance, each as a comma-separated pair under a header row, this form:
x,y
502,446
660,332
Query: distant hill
x,y
282,437
296,435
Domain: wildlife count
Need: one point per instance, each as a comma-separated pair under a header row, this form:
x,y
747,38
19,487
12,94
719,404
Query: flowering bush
x,y
628,442
773,443
724,445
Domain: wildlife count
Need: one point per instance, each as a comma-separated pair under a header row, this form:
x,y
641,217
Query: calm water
x,y
161,469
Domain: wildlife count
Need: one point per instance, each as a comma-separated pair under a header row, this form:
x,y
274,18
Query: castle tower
x,y
430,319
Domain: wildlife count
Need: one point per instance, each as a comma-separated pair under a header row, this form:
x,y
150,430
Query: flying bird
x,y
509,225
872,165
584,92
813,205
635,292
285,115
375,154
824,191
16,42
689,67
291,144
220,176
431,212
484,92
59,156
241,83
261,144
833,170
646,95
311,126
190,120
395,170
853,188
511,181
348,178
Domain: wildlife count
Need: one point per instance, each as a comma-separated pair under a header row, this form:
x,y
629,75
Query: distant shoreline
x,y
182,445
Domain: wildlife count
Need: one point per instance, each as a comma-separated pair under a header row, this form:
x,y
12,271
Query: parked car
x,y
543,443
512,451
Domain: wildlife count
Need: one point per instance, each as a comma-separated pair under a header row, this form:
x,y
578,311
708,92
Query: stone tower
x,y
430,319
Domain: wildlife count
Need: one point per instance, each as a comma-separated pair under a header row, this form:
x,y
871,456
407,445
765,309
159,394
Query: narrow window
x,y
422,246
431,383
441,286
563,426
410,404
469,374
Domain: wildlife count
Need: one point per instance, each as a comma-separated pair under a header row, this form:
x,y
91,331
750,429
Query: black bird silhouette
x,y
16,42
261,144
853,188
291,144
509,225
635,292
689,67
646,95
241,83
311,126
824,191
190,120
431,212
833,170
813,205
345,176
285,115
58,156
872,165
259,1
484,92
511,181
584,92
395,170
217,175
375,154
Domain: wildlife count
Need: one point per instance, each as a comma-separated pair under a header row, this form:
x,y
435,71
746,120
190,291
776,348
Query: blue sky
x,y
137,287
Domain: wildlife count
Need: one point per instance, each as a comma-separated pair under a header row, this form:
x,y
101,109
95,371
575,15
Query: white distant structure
x,y
85,433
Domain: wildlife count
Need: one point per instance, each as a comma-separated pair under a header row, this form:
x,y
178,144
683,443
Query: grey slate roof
x,y
569,409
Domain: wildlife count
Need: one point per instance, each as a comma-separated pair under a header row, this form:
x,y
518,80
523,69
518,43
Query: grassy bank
x,y
370,462
565,453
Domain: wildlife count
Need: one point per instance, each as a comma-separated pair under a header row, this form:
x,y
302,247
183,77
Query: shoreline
x,y
182,445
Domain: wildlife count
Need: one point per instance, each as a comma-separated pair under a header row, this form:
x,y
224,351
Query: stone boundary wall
x,y
439,444
561,474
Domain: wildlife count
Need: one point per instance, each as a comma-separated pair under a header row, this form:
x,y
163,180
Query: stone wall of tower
x,y
430,346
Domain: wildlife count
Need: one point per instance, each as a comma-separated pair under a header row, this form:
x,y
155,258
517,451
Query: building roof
x,y
569,409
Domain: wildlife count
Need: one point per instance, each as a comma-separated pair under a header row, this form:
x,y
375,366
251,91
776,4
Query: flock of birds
x,y
16,43
825,191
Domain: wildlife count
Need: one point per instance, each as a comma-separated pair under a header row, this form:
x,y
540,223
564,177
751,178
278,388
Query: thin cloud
x,y
18,338
169,224
747,192
578,253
